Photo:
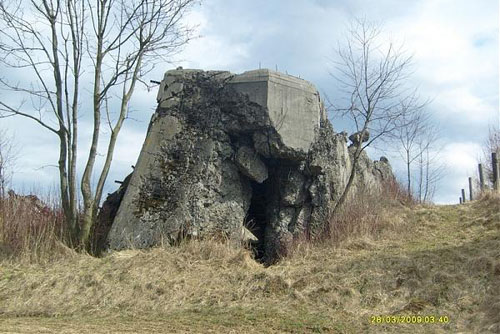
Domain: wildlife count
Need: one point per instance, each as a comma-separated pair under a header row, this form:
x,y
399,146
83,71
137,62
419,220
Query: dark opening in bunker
x,y
256,218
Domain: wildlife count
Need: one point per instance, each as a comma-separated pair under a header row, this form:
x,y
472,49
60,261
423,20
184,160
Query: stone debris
x,y
252,156
250,164
355,138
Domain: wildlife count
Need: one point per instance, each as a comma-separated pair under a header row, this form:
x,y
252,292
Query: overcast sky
x,y
454,43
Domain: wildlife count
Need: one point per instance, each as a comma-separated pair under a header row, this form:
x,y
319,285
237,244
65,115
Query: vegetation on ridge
x,y
426,260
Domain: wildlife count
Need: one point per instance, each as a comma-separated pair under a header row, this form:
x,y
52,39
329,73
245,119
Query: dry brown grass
x,y
367,213
31,228
427,260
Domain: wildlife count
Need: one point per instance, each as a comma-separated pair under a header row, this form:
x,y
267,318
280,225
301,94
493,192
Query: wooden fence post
x,y
494,168
470,188
460,199
481,176
463,196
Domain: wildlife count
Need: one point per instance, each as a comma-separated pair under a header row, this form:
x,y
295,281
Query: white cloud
x,y
456,56
462,156
461,160
462,102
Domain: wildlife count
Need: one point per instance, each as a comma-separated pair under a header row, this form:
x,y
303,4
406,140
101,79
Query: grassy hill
x,y
441,263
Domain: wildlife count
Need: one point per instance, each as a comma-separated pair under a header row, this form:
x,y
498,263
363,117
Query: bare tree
x,y
58,42
430,168
372,75
417,140
413,125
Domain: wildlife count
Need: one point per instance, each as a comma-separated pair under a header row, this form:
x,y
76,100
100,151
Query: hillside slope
x,y
440,261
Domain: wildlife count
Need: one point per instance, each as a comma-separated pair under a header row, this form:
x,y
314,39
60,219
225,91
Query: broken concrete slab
x,y
250,164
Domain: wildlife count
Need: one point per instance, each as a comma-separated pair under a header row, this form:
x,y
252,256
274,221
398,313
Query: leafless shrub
x,y
366,214
29,227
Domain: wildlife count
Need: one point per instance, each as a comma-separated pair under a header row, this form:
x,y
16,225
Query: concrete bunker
x,y
234,154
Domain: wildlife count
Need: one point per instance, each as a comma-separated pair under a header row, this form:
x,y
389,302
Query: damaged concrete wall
x,y
249,156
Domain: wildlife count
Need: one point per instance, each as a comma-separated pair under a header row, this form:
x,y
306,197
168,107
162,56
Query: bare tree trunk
x,y
427,176
350,181
51,14
89,202
421,177
408,172
76,17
